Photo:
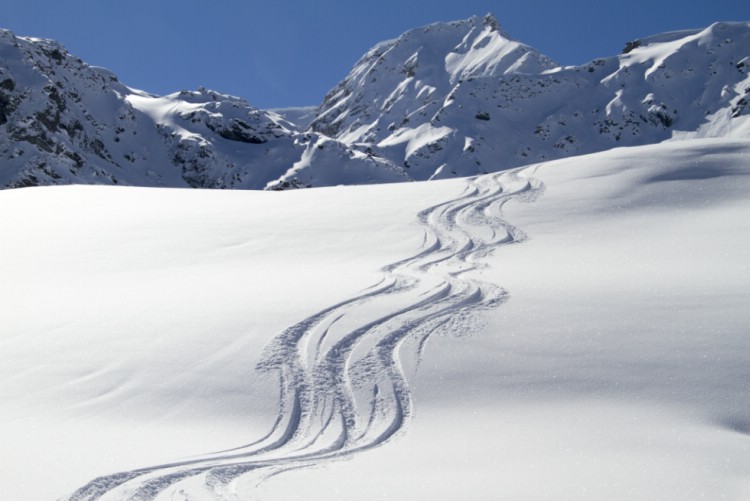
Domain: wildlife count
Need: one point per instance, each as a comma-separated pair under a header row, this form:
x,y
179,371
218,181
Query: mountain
x,y
63,121
446,100
463,98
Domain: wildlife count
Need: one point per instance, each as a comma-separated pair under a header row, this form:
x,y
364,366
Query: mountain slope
x,y
65,122
462,98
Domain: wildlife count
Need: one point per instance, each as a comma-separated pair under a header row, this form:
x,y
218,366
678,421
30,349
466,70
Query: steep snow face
x,y
462,98
398,82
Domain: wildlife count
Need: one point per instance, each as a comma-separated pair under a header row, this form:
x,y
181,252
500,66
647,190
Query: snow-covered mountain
x,y
65,122
445,100
464,98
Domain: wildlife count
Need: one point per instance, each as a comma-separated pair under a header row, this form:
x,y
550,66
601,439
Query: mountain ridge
x,y
444,100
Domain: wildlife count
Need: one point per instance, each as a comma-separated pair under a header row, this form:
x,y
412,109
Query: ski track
x,y
344,372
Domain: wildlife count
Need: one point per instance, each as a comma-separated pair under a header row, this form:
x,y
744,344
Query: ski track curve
x,y
344,372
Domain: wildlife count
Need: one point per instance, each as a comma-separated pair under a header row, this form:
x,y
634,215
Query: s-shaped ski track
x,y
344,373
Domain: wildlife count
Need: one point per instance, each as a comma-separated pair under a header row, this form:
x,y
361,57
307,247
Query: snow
x,y
564,318
416,139
299,116
491,53
581,334
162,111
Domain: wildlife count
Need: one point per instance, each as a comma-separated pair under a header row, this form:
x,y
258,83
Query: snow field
x,y
613,364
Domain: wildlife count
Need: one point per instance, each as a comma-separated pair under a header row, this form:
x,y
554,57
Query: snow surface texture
x,y
603,358
443,101
344,388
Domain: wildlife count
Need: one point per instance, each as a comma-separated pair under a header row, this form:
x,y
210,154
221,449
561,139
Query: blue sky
x,y
279,53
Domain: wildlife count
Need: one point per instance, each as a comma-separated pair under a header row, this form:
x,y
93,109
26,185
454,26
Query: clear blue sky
x,y
279,53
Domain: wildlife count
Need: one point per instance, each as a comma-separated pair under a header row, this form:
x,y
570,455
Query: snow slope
x,y
570,330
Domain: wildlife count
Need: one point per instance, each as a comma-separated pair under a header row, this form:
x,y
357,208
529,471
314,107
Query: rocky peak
x,y
491,21
412,76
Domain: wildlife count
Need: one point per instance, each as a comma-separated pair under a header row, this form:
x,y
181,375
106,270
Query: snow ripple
x,y
344,372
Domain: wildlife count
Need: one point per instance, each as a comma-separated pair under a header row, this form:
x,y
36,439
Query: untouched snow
x,y
299,116
570,330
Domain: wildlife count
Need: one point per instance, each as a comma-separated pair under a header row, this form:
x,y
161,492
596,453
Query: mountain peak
x,y
418,71
491,21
